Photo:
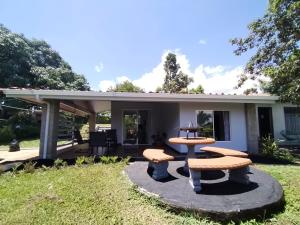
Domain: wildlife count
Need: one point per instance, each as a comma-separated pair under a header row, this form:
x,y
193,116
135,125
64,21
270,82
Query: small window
x,y
214,124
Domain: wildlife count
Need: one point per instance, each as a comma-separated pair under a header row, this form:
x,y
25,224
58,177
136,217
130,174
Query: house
x,y
235,121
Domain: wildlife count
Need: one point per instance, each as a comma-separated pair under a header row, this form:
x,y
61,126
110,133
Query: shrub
x,y
29,167
24,125
108,159
89,160
6,134
59,163
83,160
15,168
80,160
271,149
126,160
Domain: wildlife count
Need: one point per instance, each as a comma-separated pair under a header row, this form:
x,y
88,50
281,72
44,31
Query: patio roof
x,y
93,101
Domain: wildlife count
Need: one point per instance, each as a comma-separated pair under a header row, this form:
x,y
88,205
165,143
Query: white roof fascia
x,y
139,97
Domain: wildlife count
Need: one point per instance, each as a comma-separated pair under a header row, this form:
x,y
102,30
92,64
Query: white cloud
x,y
121,79
106,84
99,67
214,79
202,42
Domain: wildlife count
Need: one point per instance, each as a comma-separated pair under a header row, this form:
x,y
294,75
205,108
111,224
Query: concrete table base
x,y
160,170
219,198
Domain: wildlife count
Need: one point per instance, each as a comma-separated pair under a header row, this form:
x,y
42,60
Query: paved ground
x,y
26,154
219,198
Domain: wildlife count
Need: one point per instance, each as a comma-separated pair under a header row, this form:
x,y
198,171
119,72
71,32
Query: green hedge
x,y
6,134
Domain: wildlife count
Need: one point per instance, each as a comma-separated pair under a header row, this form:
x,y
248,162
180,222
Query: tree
x,y
34,64
126,86
275,37
175,81
198,90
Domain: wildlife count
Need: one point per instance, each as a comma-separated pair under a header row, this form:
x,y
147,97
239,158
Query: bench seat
x,y
159,161
224,151
157,155
238,169
222,163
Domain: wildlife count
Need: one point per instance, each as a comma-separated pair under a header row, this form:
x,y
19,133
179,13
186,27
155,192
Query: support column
x,y
49,126
252,127
92,122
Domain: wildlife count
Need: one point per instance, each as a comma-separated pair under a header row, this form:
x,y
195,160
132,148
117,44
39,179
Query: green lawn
x,y
32,143
101,194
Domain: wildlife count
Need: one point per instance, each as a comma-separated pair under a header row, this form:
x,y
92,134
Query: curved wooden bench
x,y
159,161
238,169
224,151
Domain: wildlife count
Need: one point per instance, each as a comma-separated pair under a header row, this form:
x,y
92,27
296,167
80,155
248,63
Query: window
x,y
292,120
214,124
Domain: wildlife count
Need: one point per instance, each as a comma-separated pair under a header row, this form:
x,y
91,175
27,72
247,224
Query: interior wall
x,y
169,121
238,138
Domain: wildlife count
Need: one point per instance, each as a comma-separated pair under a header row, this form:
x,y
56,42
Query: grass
x,y
31,143
99,194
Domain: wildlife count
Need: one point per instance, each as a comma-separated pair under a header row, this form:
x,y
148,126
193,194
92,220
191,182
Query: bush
x,y
29,167
270,149
82,160
24,125
6,134
59,163
108,159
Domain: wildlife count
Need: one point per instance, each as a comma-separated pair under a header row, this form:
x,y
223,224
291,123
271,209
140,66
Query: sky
x,y
112,41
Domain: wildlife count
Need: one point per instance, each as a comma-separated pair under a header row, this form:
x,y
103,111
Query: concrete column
x,y
49,126
251,127
92,122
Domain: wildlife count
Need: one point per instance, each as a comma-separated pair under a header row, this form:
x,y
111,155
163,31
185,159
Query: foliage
x,y
197,90
270,149
6,134
59,163
126,86
89,160
34,64
275,37
83,160
108,159
126,160
85,132
29,167
175,81
104,117
80,161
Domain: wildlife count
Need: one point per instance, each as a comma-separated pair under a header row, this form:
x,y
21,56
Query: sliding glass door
x,y
136,127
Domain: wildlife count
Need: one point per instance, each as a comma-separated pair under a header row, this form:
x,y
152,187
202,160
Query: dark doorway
x,y
265,121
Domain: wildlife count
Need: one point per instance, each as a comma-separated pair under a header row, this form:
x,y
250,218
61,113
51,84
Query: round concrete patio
x,y
219,198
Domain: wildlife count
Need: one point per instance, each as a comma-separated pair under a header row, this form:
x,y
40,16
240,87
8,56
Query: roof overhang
x,y
92,101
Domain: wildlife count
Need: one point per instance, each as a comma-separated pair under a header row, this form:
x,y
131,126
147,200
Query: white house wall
x,y
238,139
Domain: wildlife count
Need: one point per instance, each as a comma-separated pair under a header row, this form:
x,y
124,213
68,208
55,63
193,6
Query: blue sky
x,y
111,41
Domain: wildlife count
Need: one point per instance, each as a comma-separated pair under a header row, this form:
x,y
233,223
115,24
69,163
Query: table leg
x,y
190,154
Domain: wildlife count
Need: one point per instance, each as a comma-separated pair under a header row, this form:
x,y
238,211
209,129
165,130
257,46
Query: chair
x,y
97,139
111,138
